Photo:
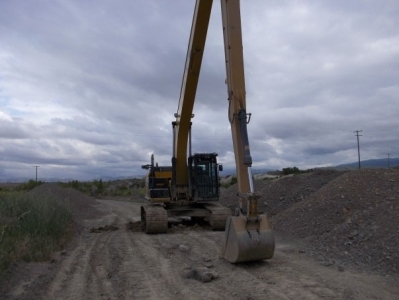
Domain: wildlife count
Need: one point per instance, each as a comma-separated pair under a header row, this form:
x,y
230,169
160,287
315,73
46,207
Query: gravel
x,y
343,218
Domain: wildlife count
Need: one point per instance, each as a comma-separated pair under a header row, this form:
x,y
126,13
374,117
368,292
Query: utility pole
x,y
388,160
358,147
36,171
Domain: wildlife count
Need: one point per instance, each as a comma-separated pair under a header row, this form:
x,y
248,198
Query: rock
x,y
341,268
206,277
63,252
201,274
183,248
327,263
353,234
214,275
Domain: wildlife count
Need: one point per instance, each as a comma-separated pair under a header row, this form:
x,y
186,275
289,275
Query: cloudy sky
x,y
88,89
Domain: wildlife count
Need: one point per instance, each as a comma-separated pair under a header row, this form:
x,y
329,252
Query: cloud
x,y
89,88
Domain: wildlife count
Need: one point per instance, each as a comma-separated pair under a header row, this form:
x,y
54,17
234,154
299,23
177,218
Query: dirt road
x,y
128,264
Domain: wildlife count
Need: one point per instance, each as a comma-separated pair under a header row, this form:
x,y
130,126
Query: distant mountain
x,y
110,178
371,163
228,172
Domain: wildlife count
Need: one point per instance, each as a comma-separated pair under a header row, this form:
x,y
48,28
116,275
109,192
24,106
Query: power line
x,y
358,147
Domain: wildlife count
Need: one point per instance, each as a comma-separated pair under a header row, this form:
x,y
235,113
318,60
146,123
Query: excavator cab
x,y
204,177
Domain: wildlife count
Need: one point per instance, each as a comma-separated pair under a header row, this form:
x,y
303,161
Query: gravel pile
x,y
279,194
343,219
352,220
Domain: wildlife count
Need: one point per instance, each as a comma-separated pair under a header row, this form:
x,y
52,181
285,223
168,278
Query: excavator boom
x,y
192,68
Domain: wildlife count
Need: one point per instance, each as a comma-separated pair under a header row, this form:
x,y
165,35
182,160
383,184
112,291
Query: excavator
x,y
189,188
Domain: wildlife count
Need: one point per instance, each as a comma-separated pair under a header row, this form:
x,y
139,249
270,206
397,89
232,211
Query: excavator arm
x,y
235,80
248,236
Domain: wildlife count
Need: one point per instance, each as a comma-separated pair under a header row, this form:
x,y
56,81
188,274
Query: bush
x,y
233,180
295,170
31,228
31,184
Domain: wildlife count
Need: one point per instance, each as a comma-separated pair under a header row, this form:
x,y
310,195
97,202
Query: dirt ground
x,y
111,258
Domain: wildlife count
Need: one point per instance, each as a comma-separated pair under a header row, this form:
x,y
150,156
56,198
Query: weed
x,y
31,227
31,184
134,187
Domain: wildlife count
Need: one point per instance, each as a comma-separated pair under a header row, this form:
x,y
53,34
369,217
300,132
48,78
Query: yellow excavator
x,y
189,188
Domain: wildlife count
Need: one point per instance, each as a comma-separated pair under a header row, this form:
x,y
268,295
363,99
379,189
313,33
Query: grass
x,y
31,227
124,188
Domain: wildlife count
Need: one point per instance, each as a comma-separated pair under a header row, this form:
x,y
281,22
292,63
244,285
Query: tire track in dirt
x,y
289,275
79,277
127,264
115,265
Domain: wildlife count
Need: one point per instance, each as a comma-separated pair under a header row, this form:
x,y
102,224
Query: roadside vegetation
x,y
295,170
99,188
31,227
31,184
231,180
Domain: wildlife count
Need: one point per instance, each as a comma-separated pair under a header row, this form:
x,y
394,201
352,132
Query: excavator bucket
x,y
247,241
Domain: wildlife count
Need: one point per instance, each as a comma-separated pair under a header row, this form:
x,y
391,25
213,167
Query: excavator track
x,y
154,219
219,215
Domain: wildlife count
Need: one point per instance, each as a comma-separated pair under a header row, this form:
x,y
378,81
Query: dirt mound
x,y
279,194
352,220
347,218
81,205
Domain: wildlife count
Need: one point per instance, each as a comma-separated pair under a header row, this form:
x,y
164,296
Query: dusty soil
x,y
111,258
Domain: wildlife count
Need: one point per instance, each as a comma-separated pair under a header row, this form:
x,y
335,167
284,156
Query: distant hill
x,y
371,163
230,171
56,179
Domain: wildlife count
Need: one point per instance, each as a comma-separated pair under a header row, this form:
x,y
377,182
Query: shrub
x,y
31,227
31,184
295,170
233,180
